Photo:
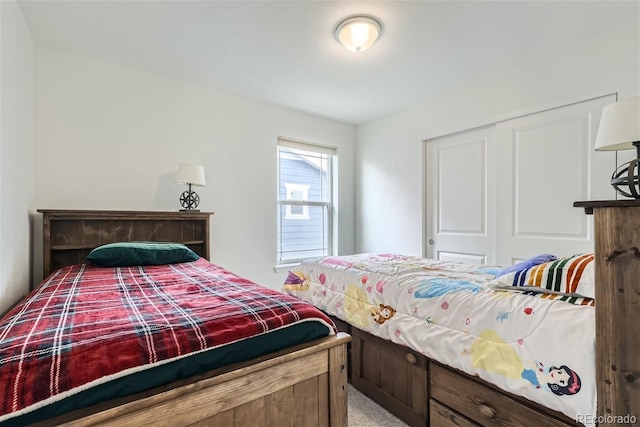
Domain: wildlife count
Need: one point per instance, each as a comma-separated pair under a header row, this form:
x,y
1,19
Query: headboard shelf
x,y
69,235
89,246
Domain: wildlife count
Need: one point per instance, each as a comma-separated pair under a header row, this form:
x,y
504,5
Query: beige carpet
x,y
364,412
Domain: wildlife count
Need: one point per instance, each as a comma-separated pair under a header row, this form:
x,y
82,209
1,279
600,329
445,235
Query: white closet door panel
x,y
475,259
460,196
461,188
546,162
543,181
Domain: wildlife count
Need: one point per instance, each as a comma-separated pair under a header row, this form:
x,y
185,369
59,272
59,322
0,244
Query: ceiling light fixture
x,y
358,33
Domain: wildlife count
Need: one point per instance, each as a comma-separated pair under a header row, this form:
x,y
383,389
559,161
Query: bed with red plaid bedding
x,y
86,325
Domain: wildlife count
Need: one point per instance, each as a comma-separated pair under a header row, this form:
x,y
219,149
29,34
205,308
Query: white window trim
x,y
332,152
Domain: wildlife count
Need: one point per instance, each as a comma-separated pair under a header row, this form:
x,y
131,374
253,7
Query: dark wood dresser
x,y
617,255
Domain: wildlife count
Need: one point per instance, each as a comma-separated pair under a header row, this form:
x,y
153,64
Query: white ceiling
x,y
284,52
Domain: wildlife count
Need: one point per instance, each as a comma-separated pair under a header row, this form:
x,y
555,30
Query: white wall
x,y
389,151
110,137
17,186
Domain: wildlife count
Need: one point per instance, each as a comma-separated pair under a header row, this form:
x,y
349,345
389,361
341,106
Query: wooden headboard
x,y
69,235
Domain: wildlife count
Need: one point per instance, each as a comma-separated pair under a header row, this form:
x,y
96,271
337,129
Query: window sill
x,y
285,267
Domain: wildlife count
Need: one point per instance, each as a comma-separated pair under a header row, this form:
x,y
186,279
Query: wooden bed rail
x,y
306,386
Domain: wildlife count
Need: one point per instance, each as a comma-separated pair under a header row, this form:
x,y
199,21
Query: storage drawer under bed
x,y
474,403
392,375
441,416
425,393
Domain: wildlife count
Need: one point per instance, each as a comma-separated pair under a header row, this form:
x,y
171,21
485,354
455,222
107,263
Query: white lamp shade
x,y
619,125
358,33
189,173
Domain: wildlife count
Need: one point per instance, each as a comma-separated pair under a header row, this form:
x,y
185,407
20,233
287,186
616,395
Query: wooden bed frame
x,y
302,385
425,393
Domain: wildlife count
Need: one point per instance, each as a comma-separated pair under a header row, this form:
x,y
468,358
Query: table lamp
x,y
190,174
620,130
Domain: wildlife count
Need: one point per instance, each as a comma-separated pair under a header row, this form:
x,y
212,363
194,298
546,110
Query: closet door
x,y
460,197
545,162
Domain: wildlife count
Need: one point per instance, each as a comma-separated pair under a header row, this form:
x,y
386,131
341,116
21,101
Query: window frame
x,y
328,203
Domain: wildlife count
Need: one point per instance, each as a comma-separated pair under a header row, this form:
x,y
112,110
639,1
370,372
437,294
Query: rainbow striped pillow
x,y
572,275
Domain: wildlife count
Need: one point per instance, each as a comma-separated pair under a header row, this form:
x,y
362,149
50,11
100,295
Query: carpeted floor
x,y
364,412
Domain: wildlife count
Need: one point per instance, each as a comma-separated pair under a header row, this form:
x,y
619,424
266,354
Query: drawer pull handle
x,y
411,358
487,411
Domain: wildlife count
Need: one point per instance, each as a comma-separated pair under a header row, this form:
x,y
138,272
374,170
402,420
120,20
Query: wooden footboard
x,y
304,385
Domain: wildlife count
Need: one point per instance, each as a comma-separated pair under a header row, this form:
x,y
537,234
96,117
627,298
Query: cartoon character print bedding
x,y
533,344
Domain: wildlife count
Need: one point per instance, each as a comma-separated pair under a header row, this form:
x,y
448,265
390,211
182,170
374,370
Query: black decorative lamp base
x,y
189,200
626,179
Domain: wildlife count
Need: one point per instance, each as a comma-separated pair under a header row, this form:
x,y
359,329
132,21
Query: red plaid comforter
x,y
86,325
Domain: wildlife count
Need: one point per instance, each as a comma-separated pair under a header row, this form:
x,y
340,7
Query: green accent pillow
x,y
125,254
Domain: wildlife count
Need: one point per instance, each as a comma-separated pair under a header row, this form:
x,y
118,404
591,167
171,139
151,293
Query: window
x,y
305,204
297,192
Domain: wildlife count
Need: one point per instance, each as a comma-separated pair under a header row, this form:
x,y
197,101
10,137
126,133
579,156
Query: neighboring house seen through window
x,y
297,192
305,204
